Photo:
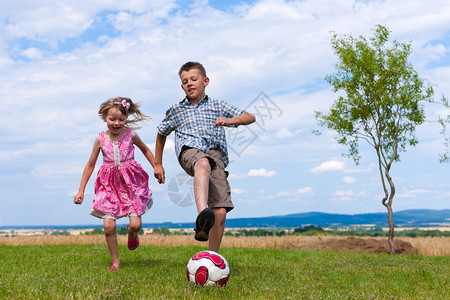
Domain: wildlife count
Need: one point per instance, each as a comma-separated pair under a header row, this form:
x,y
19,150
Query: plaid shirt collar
x,y
186,101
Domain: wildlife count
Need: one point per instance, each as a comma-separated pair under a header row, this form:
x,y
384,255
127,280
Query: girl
x,y
121,187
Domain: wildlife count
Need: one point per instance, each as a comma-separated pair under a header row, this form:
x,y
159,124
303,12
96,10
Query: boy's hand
x,y
159,173
78,198
221,122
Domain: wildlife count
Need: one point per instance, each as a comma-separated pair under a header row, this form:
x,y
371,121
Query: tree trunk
x,y
387,201
384,165
391,228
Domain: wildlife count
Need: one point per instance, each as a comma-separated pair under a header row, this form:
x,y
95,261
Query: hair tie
x,y
126,104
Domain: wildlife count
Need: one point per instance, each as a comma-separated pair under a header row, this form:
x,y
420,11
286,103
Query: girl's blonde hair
x,y
126,107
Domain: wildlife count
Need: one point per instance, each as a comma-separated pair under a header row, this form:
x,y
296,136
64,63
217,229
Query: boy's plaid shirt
x,y
194,125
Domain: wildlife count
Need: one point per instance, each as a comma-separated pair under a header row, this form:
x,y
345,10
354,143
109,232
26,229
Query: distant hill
x,y
412,217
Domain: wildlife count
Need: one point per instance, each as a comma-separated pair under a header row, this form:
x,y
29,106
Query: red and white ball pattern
x,y
208,268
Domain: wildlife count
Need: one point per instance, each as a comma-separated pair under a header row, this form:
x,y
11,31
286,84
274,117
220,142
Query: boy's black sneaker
x,y
203,224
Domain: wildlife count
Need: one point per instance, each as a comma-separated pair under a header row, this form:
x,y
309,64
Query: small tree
x,y
382,103
444,121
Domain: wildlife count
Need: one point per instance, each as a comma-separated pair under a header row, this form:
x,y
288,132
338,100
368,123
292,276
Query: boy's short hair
x,y
192,65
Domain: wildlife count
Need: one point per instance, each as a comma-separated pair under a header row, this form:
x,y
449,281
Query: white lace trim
x,y
116,153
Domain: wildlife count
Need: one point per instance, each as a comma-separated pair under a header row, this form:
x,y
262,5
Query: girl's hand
x,y
78,198
221,122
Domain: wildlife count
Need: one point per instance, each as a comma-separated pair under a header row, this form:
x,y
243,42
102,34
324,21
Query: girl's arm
x,y
143,147
88,169
244,119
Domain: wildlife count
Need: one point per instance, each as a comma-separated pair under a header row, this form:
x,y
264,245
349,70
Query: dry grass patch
x,y
430,246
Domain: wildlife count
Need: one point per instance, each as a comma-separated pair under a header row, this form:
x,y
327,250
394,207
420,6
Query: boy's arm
x,y
159,147
88,169
244,119
143,147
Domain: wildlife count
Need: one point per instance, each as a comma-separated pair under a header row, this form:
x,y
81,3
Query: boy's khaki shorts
x,y
219,188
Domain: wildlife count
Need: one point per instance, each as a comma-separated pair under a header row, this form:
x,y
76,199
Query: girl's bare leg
x,y
135,225
109,226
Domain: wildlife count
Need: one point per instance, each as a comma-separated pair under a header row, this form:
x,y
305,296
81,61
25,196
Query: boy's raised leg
x,y
206,218
202,171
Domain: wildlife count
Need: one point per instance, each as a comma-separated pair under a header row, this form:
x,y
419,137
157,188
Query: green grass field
x,y
80,271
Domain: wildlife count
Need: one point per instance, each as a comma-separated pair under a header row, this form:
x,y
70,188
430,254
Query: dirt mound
x,y
355,244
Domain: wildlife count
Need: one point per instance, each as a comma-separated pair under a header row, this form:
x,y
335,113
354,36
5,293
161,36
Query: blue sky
x,y
60,59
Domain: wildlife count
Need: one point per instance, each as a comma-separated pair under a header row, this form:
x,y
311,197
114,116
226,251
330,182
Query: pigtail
x,y
135,116
127,107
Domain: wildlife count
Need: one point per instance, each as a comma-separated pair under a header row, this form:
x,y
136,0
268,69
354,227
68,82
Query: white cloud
x,y
237,191
284,193
331,165
413,193
277,11
295,196
32,53
305,190
234,176
261,172
343,193
348,179
52,170
56,21
283,133
168,146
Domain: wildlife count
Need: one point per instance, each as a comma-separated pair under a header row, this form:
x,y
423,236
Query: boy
x,y
200,146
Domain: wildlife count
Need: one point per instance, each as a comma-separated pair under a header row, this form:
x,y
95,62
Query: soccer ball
x,y
208,268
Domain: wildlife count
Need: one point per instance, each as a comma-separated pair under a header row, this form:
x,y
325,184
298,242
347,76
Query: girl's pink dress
x,y
121,187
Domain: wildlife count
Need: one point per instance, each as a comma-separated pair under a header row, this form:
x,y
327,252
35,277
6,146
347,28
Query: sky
x,y
60,60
